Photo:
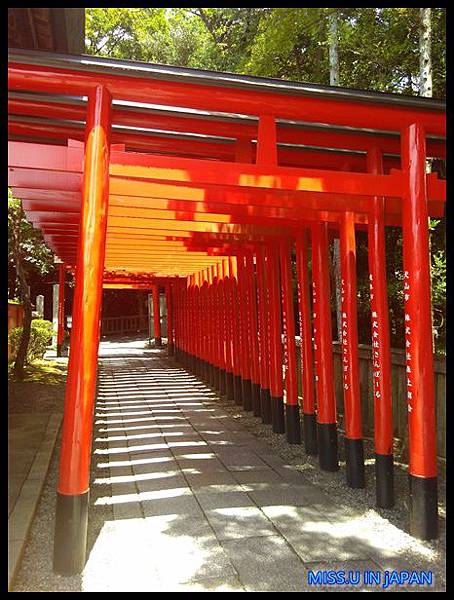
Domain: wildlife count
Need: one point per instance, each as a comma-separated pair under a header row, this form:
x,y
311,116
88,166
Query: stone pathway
x,y
198,503
183,498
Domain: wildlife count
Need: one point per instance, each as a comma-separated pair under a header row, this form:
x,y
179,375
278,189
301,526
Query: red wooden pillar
x,y
74,474
253,333
196,332
156,316
185,308
175,292
381,355
262,297
239,318
189,324
186,315
220,370
225,350
354,450
201,308
208,327
292,409
191,319
246,350
180,321
210,309
307,368
61,307
170,315
276,387
222,341
418,338
323,346
234,310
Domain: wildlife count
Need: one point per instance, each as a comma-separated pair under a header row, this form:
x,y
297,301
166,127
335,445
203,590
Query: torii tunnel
x,y
203,184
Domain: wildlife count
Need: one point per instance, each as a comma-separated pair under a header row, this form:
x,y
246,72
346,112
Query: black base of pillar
x,y
221,382
354,458
265,406
277,414
170,350
384,480
246,385
292,423
209,374
59,349
215,383
158,342
70,541
310,433
229,386
327,446
423,507
256,399
237,390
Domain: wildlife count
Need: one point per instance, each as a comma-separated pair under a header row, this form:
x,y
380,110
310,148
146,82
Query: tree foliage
x,y
378,50
27,253
41,332
37,259
378,47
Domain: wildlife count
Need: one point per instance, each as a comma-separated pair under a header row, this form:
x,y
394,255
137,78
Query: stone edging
x,y
21,518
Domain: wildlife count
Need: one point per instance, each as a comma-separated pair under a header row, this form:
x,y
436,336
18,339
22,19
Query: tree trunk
x,y
334,80
425,89
21,356
425,58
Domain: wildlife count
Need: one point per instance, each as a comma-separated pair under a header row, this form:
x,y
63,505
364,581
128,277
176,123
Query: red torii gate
x,y
207,204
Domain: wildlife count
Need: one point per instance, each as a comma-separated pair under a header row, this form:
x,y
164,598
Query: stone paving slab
x,y
184,498
219,509
266,564
31,441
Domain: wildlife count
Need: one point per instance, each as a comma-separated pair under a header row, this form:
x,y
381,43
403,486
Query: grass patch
x,y
44,371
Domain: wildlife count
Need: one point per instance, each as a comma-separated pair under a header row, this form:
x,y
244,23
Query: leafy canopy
x,y
378,47
37,259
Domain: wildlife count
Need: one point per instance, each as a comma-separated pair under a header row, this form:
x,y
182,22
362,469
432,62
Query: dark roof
x,y
48,29
129,68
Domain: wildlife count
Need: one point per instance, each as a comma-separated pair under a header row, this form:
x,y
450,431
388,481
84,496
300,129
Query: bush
x,y
40,337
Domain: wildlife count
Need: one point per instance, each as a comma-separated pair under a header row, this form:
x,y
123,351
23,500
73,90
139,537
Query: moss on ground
x,y
44,371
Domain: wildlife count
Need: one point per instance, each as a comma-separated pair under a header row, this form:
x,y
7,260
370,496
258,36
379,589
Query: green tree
x,y
28,256
206,38
378,49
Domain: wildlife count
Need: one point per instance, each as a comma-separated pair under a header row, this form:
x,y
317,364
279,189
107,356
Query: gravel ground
x,y
38,397
30,397
36,569
35,573
420,555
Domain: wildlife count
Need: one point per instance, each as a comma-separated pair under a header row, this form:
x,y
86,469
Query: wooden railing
x,y
399,392
124,324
